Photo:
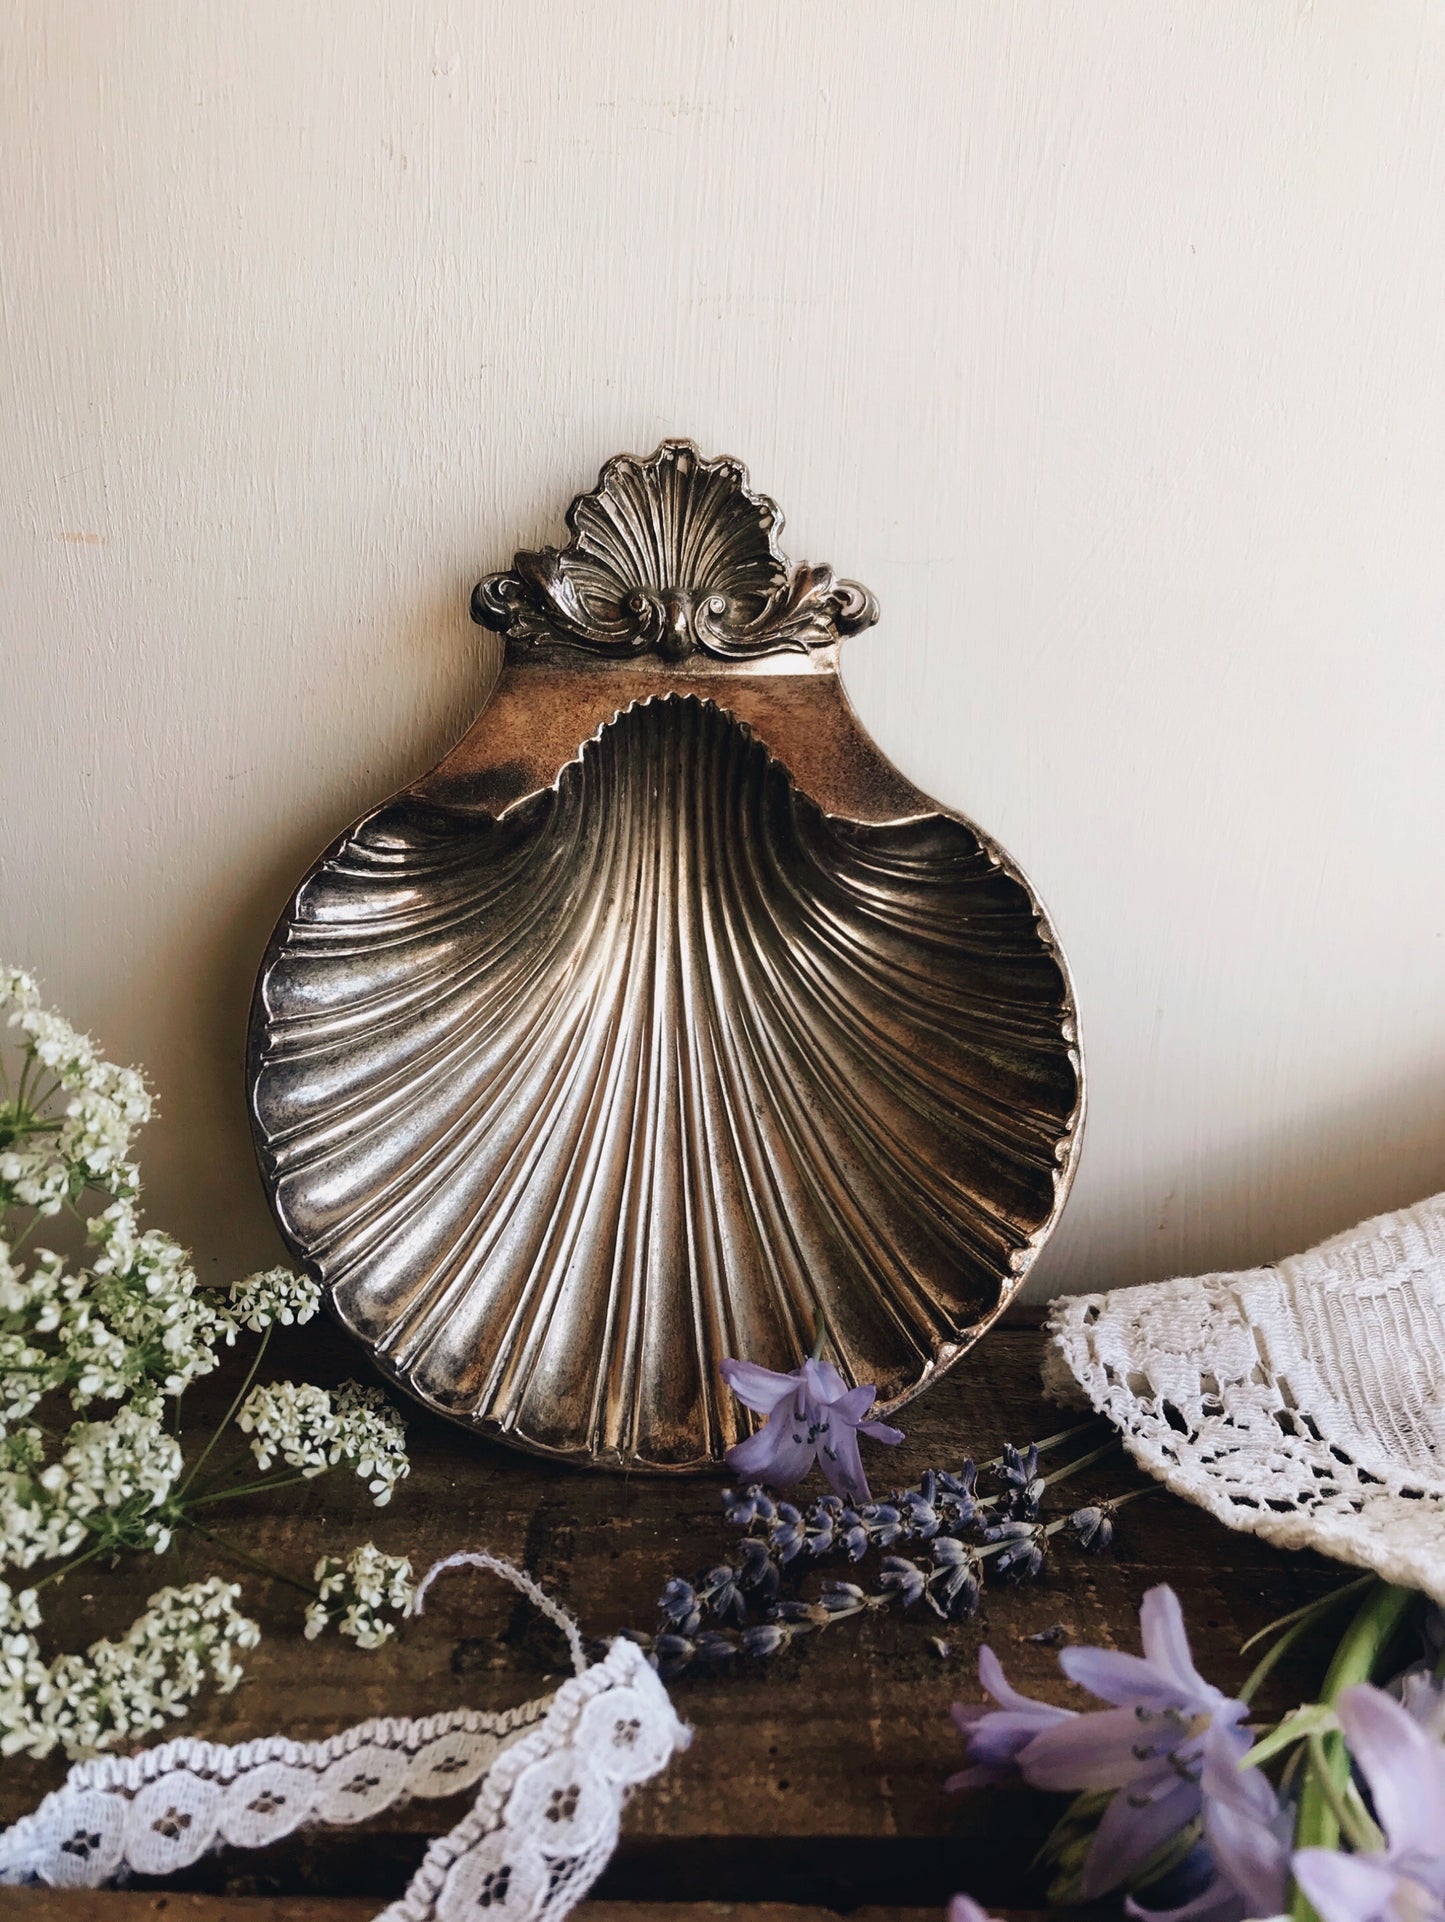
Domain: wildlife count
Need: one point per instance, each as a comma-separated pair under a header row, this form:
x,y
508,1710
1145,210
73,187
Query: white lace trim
x,y
553,1778
1304,1403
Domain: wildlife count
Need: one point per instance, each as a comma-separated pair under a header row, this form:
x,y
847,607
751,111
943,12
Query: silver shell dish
x,y
663,1013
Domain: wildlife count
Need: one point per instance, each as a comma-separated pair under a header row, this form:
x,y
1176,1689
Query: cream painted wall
x,y
1104,342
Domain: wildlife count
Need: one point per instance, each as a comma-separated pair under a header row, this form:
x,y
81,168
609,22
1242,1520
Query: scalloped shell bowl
x,y
662,1015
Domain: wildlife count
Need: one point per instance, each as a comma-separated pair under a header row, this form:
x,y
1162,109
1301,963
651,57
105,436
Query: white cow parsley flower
x,y
275,1295
128,1326
371,1438
123,1689
356,1591
311,1429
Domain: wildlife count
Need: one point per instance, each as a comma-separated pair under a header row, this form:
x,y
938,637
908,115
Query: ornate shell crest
x,y
673,553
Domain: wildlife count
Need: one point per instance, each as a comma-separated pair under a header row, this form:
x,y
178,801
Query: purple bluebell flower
x,y
1148,1746
1423,1697
1405,1771
994,1738
813,1415
963,1908
1243,1863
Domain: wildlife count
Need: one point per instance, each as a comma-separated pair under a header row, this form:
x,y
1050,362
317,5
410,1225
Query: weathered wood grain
x,y
816,1778
50,1905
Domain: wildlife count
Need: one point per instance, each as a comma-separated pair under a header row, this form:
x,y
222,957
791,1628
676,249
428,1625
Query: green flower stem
x,y
820,1333
1084,1461
1092,1425
1354,1824
231,1412
249,1560
263,1487
1317,1826
59,1574
1295,1624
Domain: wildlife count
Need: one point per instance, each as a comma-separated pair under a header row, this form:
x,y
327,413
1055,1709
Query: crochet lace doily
x,y
552,1778
1303,1402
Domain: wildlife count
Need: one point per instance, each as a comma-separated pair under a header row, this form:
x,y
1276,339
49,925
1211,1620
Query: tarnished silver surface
x,y
663,1013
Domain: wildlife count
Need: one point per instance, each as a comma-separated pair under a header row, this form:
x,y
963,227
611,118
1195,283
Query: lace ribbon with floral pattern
x,y
552,1777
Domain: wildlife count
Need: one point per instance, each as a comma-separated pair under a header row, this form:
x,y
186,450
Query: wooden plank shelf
x,y
815,1781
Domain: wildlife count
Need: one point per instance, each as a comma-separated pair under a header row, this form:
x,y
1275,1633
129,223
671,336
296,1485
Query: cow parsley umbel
x,y
96,1352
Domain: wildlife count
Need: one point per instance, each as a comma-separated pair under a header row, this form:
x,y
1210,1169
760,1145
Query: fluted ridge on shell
x,y
566,1105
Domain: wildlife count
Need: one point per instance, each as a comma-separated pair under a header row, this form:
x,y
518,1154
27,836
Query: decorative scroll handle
x,y
677,554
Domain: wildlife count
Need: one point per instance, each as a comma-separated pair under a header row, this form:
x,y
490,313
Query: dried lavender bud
x,y
672,1654
757,1570
963,1486
719,1591
883,1523
766,1638
1093,1527
715,1647
744,1506
1022,1554
820,1532
791,1610
903,1578
678,1605
852,1535
918,1513
953,1587
1052,1637
842,1598
787,1532
1022,1485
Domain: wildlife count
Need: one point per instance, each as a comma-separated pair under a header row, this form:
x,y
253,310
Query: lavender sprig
x,y
968,1536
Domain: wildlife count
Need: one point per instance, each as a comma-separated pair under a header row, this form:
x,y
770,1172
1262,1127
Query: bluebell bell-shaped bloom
x,y
1405,1770
1149,1745
1243,1862
963,1908
813,1415
994,1738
